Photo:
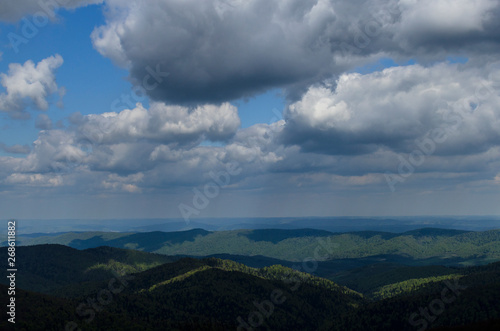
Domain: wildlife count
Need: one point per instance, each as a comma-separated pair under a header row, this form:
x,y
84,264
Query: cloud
x,y
43,122
61,159
29,85
123,184
161,123
339,136
11,11
221,50
397,109
217,50
448,25
15,149
37,180
53,151
128,141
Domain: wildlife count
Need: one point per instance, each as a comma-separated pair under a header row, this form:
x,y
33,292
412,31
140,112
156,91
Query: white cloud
x,y
163,123
445,16
398,106
29,82
38,180
53,151
319,108
107,42
341,130
124,184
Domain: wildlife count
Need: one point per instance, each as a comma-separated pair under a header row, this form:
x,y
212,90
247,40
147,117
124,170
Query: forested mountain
x,y
431,246
55,269
383,281
470,296
187,294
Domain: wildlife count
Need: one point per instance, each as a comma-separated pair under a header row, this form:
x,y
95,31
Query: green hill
x,y
418,247
56,268
115,289
188,294
470,296
372,278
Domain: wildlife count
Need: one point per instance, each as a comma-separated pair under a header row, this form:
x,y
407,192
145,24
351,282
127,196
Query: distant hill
x,y
147,241
332,224
429,246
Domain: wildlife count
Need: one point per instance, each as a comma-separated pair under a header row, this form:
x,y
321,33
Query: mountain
x,y
130,293
471,296
417,247
54,269
374,278
187,294
332,224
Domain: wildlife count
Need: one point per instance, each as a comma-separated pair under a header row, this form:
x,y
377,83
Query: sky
x,y
249,108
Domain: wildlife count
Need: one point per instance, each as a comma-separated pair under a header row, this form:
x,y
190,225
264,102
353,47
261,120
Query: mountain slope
x,y
472,296
215,294
188,294
48,268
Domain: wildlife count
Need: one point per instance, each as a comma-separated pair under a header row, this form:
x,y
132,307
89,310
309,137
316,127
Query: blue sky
x,y
404,122
92,82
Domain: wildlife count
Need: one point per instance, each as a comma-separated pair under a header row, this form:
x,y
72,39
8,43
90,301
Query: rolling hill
x,y
137,290
52,269
187,294
469,297
423,246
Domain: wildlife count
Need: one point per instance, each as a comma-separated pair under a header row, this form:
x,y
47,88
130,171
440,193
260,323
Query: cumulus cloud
x,y
217,50
396,108
53,151
38,180
448,25
11,11
129,141
29,85
61,158
220,50
114,182
341,130
161,123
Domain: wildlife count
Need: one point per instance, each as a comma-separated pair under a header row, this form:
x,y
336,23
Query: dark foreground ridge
x,y
110,288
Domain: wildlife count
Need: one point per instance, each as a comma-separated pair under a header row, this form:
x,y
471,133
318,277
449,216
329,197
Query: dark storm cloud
x,y
216,50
